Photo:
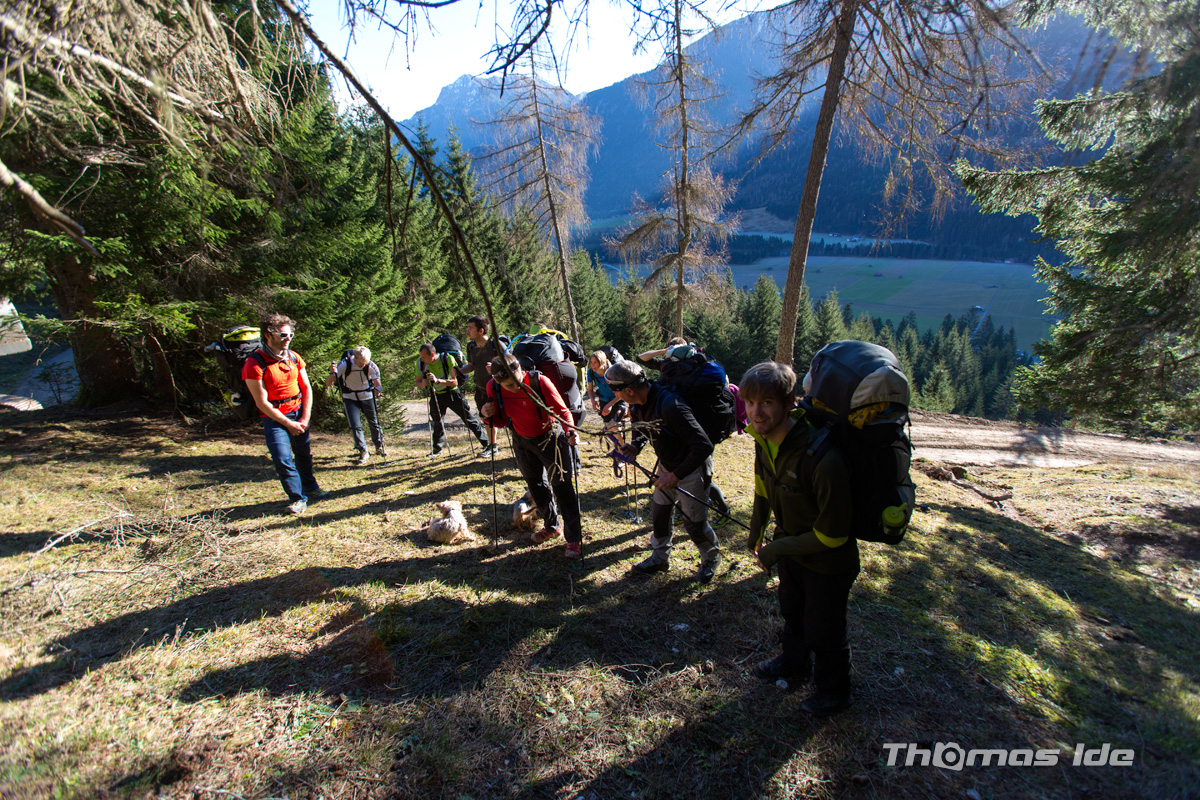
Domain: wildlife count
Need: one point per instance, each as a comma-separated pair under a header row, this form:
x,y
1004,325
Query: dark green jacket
x,y
813,523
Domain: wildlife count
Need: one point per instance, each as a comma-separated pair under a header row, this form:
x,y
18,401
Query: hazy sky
x,y
460,37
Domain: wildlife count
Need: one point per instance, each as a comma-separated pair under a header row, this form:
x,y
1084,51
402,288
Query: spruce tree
x,y
1128,346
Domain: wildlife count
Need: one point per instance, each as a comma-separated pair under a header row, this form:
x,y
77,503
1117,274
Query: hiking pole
x,y
429,417
686,493
495,513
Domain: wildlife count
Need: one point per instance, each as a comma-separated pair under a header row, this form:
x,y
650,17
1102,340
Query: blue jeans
x,y
355,411
292,456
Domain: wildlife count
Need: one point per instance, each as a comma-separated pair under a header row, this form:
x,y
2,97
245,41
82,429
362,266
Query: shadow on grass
x,y
1040,630
12,544
982,631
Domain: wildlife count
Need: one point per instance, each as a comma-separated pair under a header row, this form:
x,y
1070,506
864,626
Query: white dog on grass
x,y
451,526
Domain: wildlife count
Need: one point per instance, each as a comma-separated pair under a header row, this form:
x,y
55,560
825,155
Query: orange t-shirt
x,y
280,379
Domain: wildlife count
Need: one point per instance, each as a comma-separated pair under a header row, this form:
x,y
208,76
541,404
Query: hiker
x,y
672,362
542,451
685,463
554,355
812,546
357,376
277,379
611,408
654,358
481,349
445,393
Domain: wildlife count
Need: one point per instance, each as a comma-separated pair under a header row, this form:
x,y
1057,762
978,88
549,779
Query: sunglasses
x,y
284,336
617,387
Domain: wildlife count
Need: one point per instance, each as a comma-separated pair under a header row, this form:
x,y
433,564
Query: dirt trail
x,y
966,440
954,439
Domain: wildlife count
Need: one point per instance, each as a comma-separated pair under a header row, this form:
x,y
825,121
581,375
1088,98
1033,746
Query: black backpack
x,y
701,382
447,344
614,355
544,352
231,350
857,396
573,351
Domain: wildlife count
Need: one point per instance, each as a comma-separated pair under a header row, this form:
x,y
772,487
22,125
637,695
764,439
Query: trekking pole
x,y
686,493
429,418
495,513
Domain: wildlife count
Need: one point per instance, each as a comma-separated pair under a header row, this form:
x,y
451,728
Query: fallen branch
x,y
957,476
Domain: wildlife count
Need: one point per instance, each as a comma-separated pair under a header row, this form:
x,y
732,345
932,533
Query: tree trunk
x,y
681,175
102,360
559,238
812,182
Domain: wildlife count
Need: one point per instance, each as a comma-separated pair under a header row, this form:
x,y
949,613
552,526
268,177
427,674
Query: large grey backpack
x,y
856,393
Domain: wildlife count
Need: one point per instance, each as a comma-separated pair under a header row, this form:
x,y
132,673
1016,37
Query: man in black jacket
x,y
684,453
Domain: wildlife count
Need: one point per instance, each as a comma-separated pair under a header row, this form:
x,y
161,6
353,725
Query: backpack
x,y
544,352
340,379
857,396
702,382
232,349
573,351
614,355
447,344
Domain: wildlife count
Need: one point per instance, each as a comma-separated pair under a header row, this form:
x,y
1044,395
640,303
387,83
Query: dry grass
x,y
184,638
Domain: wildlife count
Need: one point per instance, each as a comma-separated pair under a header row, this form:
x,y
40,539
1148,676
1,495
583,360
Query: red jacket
x,y
528,419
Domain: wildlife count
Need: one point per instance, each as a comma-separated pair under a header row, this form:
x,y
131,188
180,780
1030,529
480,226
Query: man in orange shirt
x,y
277,379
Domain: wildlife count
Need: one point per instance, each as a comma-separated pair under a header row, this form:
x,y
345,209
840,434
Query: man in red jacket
x,y
531,404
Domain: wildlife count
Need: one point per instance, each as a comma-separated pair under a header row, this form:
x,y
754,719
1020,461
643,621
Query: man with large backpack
x,y
277,380
521,398
666,420
481,349
812,546
442,373
358,379
832,473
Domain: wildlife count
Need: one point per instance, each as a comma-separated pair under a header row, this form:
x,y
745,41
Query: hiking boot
x,y
708,567
381,451
824,702
545,535
437,451
363,457
772,669
651,565
297,507
317,494
574,550
488,451
719,522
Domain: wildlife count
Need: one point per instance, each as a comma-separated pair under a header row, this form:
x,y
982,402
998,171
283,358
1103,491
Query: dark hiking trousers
x,y
545,463
454,401
813,606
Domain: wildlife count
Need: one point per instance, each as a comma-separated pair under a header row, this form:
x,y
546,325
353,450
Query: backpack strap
x,y
821,443
535,378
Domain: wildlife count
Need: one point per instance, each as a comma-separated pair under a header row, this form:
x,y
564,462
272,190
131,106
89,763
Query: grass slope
x,y
184,638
